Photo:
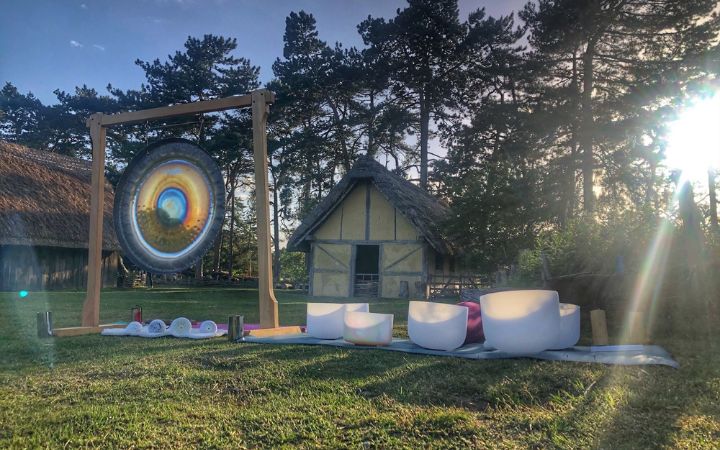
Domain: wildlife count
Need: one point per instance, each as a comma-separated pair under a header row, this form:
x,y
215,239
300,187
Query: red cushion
x,y
474,324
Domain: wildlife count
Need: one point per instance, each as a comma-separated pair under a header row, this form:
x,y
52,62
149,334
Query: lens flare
x,y
649,282
23,294
693,144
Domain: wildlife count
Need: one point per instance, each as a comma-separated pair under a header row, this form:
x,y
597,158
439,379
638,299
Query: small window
x,y
439,263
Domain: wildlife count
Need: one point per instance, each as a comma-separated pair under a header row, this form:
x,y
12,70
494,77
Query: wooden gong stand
x,y
259,101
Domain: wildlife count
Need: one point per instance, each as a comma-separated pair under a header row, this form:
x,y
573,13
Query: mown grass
x,y
95,391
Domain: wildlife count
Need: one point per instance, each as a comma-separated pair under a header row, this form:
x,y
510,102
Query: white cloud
x,y
74,43
83,6
99,47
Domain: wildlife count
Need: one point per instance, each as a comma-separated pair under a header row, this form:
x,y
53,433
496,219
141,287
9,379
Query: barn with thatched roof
x,y
44,221
374,235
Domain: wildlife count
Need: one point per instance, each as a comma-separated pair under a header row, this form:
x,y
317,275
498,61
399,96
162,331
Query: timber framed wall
x,y
37,268
365,217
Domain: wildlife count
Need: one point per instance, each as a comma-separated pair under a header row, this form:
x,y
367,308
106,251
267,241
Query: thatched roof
x,y
45,200
425,212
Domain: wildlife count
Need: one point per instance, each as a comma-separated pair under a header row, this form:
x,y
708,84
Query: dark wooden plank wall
x,y
37,268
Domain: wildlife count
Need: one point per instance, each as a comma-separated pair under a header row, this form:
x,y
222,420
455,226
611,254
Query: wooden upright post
x,y
268,303
91,307
599,327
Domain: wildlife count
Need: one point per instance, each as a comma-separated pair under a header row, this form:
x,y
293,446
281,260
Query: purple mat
x,y
221,326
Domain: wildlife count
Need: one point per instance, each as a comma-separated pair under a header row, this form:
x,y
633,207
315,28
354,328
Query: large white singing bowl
x,y
365,328
569,326
521,322
437,326
325,320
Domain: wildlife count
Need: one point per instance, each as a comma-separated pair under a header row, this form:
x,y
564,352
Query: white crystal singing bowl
x,y
437,326
521,322
325,320
569,326
365,328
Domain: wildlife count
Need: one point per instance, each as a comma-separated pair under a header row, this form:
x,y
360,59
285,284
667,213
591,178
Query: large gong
x,y
169,206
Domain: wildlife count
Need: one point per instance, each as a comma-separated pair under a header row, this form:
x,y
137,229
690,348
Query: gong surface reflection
x,y
172,206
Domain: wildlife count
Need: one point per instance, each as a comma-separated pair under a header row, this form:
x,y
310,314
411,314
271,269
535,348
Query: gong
x,y
169,206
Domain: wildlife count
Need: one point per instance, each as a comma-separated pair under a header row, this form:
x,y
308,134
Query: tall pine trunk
x,y
371,128
424,136
216,253
231,240
570,190
586,137
713,202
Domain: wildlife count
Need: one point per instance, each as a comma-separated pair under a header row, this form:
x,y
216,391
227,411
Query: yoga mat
x,y
636,355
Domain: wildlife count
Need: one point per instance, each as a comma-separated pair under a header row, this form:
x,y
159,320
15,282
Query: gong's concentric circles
x,y
169,206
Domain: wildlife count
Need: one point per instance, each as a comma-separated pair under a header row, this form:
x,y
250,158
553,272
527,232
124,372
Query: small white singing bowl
x,y
325,320
569,326
364,328
521,322
437,326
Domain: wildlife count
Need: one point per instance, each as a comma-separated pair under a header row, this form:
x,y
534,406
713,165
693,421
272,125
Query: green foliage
x,y
589,246
293,267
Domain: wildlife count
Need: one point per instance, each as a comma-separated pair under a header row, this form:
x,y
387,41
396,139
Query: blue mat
x,y
631,355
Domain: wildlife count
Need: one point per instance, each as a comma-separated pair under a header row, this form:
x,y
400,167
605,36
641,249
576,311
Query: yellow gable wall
x,y
382,217
348,220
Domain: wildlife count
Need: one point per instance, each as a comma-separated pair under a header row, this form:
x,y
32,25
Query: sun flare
x,y
694,140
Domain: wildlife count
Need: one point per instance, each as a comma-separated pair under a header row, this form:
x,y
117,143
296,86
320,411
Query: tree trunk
x,y
424,136
199,270
216,253
371,128
586,136
232,231
713,202
570,189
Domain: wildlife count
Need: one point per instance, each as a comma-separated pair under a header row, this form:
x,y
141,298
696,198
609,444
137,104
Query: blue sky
x,y
51,44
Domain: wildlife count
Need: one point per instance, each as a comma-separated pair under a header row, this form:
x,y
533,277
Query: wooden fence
x,y
453,285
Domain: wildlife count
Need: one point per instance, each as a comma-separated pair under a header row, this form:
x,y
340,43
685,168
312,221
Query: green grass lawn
x,y
95,391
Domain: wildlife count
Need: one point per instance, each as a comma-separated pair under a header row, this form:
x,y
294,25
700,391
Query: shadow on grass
x,y
660,399
416,380
30,353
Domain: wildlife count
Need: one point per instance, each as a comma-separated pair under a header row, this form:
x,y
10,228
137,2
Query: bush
x,y
615,244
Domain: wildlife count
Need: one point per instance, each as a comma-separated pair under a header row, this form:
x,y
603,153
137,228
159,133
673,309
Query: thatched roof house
x,y
44,219
374,234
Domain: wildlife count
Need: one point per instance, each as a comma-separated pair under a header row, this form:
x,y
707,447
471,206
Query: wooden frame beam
x,y
259,101
220,104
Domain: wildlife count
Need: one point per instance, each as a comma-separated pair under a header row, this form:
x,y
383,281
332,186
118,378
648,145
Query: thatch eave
x,y
424,212
45,200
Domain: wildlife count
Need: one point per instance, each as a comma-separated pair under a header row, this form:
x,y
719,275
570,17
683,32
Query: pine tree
x,y
422,46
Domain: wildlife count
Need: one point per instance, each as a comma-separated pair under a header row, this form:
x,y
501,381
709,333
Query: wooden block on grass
x,y
266,332
80,331
599,327
75,331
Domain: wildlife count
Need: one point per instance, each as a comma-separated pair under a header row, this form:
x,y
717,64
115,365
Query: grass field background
x,y
95,391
